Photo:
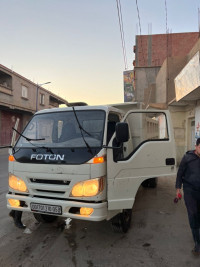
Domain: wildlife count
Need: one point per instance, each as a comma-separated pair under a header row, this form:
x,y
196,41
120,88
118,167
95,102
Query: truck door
x,y
149,152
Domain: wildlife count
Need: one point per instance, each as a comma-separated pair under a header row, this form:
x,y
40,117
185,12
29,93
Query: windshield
x,y
64,130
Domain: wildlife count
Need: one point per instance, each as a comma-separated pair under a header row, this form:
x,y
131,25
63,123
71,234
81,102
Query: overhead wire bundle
x,y
122,32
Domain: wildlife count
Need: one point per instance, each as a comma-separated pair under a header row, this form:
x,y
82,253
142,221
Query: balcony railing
x,y
5,90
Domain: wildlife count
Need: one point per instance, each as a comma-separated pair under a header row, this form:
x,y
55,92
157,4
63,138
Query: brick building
x,y
150,53
20,98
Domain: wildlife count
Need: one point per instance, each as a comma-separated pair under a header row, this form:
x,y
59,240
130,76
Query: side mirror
x,y
122,133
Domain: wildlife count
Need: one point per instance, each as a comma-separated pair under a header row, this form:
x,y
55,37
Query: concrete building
x,y
167,75
186,102
20,98
178,85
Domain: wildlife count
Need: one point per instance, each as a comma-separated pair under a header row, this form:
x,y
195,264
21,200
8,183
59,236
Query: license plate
x,y
51,209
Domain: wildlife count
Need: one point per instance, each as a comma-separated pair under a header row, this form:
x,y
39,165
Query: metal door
x,y
152,156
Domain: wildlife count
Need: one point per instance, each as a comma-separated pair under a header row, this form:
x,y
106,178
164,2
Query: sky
x,y
76,44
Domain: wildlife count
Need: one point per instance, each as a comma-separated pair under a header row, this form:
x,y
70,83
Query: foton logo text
x,y
47,157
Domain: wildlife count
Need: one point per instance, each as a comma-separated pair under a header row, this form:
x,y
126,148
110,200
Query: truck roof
x,y
106,108
125,107
121,108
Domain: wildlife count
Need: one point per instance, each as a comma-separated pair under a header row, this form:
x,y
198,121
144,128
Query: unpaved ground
x,y
159,235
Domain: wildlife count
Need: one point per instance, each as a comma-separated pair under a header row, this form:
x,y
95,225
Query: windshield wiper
x,y
13,150
1,147
28,139
32,139
79,125
82,130
9,146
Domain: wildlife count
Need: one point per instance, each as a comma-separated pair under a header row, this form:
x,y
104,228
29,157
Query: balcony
x,y
5,90
5,83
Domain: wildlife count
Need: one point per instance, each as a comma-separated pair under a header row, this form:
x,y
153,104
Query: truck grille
x,y
49,187
45,181
51,191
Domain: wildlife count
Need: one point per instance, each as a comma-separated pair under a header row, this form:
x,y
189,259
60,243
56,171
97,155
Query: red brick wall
x,y
8,120
141,50
155,48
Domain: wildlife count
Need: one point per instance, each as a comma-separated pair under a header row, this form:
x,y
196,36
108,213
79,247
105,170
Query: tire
x,y
121,222
150,183
44,218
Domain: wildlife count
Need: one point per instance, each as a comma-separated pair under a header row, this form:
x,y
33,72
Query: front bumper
x,y
100,212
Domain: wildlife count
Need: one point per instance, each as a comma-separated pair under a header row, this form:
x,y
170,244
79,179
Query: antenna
x,y
136,29
149,28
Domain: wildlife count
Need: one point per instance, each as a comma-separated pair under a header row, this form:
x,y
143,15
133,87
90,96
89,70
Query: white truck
x,y
87,162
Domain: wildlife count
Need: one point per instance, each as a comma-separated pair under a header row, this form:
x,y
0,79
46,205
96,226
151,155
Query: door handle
x,y
170,161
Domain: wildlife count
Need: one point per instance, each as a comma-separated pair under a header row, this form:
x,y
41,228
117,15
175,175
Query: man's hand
x,y
178,193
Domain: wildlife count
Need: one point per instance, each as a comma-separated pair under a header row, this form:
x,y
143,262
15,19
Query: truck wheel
x,y
151,183
121,222
44,218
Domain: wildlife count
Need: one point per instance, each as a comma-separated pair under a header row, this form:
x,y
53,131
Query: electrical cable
x,y
166,15
120,10
167,51
122,32
138,17
140,29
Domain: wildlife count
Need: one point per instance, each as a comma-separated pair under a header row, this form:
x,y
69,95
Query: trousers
x,y
192,202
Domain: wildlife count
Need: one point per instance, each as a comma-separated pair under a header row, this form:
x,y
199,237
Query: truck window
x,y
60,133
39,129
144,127
112,120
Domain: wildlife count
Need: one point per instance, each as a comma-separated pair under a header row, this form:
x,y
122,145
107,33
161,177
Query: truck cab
x,y
87,162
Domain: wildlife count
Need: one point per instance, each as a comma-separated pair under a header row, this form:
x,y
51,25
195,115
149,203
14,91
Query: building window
x,y
41,99
24,91
5,80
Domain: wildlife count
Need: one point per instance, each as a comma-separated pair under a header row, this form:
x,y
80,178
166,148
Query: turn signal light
x,y
98,160
11,158
14,202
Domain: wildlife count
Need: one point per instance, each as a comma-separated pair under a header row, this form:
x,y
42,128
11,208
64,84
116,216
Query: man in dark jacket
x,y
189,176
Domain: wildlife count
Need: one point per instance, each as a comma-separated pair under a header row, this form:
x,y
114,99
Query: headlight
x,y
88,188
17,183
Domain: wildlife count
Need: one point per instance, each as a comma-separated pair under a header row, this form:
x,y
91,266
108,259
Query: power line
x,y
167,52
122,32
147,78
140,29
138,17
199,20
166,15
